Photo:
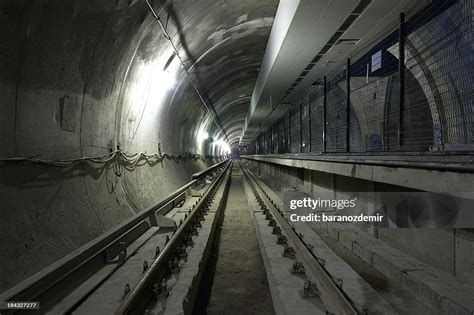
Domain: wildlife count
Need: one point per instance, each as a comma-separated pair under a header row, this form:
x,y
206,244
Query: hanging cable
x,y
127,161
209,107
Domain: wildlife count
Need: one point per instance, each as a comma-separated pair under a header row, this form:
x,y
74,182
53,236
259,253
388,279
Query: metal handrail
x,y
207,171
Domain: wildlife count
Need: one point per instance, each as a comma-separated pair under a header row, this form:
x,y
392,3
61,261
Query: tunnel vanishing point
x,y
236,157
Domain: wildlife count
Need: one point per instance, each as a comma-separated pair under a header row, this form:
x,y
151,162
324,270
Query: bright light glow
x,y
202,135
152,83
223,146
162,80
149,88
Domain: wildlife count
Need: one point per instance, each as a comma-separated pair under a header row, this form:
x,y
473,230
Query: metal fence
x,y
412,91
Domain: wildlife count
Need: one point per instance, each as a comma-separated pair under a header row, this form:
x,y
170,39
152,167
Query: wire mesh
x,y
286,132
439,60
281,136
316,103
268,141
274,130
336,113
374,99
260,144
295,125
305,129
436,112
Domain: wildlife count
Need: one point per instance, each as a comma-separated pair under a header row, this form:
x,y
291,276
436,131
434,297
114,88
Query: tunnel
x,y
236,157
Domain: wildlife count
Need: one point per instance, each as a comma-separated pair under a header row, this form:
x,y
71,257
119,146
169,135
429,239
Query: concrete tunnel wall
x,y
79,78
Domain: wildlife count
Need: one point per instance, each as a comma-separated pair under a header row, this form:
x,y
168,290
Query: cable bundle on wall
x,y
128,161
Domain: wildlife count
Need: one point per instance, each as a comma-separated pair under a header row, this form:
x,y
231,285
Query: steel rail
x,y
51,284
334,297
137,299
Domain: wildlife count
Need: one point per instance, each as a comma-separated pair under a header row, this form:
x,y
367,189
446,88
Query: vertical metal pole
x,y
275,130
269,144
348,105
324,113
268,141
272,140
265,144
309,124
301,127
282,135
401,72
289,130
259,144
278,136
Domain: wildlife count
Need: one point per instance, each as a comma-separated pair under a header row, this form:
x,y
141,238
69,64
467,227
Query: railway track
x,y
145,295
321,283
154,263
125,270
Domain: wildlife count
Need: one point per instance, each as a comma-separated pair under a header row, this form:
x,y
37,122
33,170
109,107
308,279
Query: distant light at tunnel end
x,y
224,146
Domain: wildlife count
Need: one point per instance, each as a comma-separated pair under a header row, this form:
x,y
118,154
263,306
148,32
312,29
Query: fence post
x,y
267,141
301,127
401,72
289,130
278,137
272,132
324,114
348,105
265,144
309,124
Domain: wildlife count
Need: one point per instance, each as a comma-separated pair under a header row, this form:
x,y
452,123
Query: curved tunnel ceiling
x,y
222,45
128,89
